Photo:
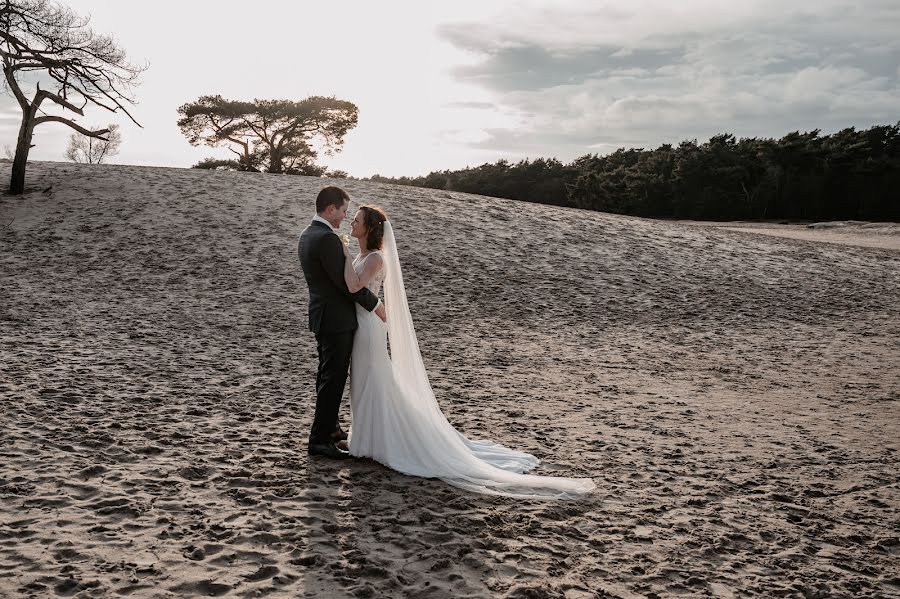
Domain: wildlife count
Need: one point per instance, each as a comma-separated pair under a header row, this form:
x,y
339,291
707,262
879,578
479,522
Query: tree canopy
x,y
274,136
849,174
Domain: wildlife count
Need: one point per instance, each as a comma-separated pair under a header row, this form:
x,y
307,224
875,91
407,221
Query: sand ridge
x,y
736,397
857,233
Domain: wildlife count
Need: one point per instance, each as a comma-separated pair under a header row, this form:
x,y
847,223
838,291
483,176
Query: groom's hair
x,y
331,196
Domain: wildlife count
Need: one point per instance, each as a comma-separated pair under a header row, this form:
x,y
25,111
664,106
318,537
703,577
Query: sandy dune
x,y
862,234
736,397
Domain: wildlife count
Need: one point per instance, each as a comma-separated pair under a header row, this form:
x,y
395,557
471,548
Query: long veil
x,y
476,465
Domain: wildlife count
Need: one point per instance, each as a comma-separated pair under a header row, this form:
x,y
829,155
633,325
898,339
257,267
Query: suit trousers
x,y
334,363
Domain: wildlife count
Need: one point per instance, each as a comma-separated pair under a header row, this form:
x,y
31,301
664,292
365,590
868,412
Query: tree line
x,y
848,175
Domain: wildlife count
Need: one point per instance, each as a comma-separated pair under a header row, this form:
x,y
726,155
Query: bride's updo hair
x,y
373,219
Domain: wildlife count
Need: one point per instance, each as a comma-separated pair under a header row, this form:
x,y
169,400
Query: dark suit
x,y
332,317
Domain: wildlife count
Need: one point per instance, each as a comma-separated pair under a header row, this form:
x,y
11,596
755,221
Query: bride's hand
x,y
346,249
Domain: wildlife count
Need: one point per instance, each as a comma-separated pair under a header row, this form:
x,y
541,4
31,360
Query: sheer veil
x,y
476,465
409,369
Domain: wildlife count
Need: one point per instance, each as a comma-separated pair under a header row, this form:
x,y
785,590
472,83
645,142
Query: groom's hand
x,y
379,311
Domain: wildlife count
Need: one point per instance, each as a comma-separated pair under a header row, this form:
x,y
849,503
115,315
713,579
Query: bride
x,y
395,418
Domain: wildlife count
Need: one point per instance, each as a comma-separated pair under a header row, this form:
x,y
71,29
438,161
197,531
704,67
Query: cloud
x,y
471,105
524,67
578,78
471,137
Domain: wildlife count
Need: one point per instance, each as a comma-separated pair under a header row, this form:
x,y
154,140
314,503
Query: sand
x,y
735,396
858,233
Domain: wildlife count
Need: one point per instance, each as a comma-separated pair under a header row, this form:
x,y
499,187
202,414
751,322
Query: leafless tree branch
x,y
52,118
87,68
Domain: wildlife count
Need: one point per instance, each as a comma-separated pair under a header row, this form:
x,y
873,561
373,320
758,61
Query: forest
x,y
848,175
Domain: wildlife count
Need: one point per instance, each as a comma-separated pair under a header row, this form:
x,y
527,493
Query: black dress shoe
x,y
339,436
329,450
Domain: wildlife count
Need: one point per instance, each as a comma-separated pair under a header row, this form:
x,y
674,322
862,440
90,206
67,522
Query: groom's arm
x,y
332,258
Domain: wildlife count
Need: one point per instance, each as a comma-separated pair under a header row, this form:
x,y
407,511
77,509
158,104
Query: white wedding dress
x,y
395,417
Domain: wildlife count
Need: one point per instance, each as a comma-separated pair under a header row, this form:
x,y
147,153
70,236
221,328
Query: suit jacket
x,y
331,307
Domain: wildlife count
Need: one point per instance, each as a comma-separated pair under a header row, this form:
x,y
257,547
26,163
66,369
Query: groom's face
x,y
343,211
338,214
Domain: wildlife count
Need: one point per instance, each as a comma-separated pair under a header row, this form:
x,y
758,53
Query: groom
x,y
332,316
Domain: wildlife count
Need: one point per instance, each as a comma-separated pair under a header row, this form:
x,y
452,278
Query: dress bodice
x,y
359,263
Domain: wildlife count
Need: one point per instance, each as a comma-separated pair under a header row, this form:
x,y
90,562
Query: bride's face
x,y
357,228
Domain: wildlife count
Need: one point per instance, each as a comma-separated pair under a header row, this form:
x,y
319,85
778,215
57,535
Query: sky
x,y
454,84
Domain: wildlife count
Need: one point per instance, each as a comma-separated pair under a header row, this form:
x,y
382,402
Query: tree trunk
x,y
23,146
244,160
276,163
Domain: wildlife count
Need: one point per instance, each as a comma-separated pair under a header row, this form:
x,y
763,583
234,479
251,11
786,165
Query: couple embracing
x,y
395,417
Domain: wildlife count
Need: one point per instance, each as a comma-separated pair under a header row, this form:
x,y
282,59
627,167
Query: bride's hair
x,y
373,219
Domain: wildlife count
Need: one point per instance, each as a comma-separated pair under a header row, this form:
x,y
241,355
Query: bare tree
x,y
94,150
83,67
